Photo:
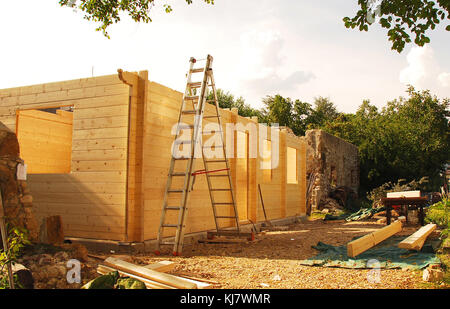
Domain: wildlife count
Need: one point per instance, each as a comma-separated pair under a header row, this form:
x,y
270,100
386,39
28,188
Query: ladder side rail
x,y
172,161
233,197
179,236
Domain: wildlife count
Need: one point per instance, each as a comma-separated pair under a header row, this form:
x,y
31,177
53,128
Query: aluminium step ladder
x,y
191,118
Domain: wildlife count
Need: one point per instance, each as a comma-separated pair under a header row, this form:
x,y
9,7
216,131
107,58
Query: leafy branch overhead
x,y
108,12
402,18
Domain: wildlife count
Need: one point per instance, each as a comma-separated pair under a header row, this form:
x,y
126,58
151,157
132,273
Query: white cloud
x,y
423,70
263,68
444,79
421,64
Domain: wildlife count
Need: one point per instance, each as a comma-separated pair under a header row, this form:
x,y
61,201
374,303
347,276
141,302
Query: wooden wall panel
x,y
280,199
45,141
91,198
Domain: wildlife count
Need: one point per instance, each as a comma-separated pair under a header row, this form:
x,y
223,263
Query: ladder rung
x,y
167,243
223,203
175,191
178,142
189,112
225,217
181,159
173,207
220,189
195,85
170,225
215,116
178,174
195,97
199,70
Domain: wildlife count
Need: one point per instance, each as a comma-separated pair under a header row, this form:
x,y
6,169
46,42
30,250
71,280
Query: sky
x,y
298,49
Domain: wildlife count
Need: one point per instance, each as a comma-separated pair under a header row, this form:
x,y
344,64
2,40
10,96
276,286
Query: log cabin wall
x,y
281,198
121,147
91,196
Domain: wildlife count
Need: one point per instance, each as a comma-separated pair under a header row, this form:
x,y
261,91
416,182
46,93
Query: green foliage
x,y
113,280
378,193
402,19
278,110
297,115
107,12
439,214
408,139
227,100
17,240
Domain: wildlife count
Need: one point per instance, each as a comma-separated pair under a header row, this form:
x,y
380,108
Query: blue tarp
x,y
386,253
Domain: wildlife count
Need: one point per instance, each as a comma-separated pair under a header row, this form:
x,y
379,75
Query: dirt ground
x,y
272,261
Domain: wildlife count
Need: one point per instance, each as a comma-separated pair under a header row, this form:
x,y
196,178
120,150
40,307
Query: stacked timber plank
x,y
417,240
153,276
368,241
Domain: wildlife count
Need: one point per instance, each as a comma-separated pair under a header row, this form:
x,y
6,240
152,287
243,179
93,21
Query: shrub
x,y
439,214
378,193
17,239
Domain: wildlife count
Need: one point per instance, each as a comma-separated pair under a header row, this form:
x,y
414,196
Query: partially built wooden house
x,y
98,151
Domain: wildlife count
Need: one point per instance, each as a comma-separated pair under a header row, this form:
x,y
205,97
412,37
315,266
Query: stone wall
x,y
17,200
332,163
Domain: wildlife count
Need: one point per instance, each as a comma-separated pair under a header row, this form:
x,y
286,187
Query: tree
x,y
227,100
402,19
301,117
408,139
323,112
278,110
107,11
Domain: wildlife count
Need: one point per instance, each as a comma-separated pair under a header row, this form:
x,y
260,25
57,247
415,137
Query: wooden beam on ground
x,y
201,283
417,240
368,241
103,270
193,277
149,274
223,240
163,266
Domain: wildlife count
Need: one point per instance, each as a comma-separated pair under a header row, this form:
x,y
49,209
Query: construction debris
x,y
51,231
154,276
432,274
223,240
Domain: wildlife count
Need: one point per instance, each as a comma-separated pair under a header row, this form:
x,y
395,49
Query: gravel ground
x,y
272,261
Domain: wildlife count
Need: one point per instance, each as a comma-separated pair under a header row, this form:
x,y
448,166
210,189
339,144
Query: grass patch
x,y
317,215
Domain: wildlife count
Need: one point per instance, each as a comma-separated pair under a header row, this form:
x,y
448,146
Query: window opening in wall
x,y
267,161
45,139
291,165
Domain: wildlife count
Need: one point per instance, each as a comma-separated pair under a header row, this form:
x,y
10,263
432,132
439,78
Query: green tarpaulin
x,y
386,253
363,213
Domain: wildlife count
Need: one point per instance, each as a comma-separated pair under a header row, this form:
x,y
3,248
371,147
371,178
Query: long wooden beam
x,y
163,266
103,270
417,240
149,274
368,241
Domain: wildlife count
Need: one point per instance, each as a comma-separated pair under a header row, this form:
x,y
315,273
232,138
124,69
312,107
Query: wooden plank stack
x,y
417,240
154,276
368,241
